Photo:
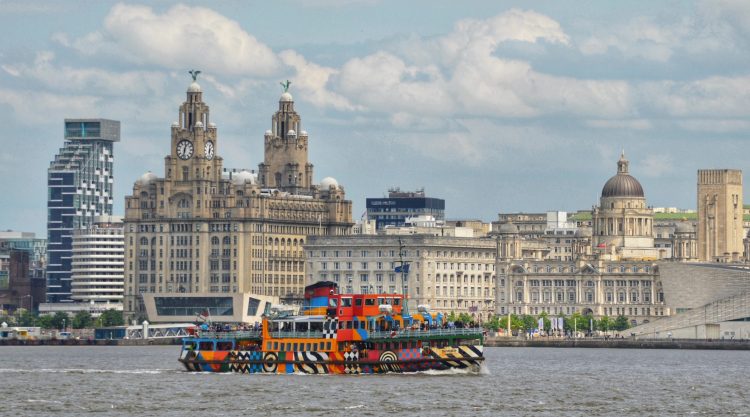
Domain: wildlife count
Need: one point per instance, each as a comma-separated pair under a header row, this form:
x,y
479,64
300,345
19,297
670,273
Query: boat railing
x,y
236,334
454,331
407,332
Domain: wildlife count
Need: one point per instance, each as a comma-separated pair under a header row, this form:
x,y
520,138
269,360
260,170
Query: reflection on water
x,y
514,381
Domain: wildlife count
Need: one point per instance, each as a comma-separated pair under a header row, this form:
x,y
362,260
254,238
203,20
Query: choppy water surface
x,y
516,381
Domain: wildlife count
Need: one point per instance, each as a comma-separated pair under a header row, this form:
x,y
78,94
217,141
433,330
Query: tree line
x,y
61,320
576,321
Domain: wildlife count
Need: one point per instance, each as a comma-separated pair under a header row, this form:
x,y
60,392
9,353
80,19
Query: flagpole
x,y
401,247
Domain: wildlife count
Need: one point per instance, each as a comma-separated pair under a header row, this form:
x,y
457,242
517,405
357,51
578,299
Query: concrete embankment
x,y
619,343
92,342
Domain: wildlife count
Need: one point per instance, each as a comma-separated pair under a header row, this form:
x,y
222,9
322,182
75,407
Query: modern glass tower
x,y
79,182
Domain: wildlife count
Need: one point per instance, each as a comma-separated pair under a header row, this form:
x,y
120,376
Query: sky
x,y
494,106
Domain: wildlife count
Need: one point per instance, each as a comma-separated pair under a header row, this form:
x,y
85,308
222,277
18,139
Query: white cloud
x,y
715,125
459,75
655,165
313,81
34,107
635,124
182,37
90,80
723,97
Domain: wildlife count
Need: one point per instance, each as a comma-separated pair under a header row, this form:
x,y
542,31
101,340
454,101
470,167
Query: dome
x,y
303,133
684,227
508,229
146,178
175,124
291,133
286,97
199,124
623,184
269,133
212,125
243,177
194,88
328,182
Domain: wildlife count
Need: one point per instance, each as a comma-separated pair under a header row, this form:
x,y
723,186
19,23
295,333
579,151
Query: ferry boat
x,y
338,334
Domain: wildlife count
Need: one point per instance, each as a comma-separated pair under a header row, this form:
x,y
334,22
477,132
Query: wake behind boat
x,y
338,334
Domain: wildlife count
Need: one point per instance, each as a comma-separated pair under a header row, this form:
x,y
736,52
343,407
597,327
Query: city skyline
x,y
524,108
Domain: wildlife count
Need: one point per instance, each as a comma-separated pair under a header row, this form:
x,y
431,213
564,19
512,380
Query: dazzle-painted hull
x,y
468,357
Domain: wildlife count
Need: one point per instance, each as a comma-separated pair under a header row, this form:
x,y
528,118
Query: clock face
x,y
208,150
185,149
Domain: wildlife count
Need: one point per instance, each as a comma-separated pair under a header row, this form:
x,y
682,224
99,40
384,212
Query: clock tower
x,y
285,165
193,156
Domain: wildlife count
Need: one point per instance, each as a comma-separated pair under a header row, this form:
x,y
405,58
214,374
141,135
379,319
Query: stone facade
x,y
604,271
202,230
720,209
447,273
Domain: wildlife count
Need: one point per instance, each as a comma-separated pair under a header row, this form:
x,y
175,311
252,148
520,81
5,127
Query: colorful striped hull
x,y
467,357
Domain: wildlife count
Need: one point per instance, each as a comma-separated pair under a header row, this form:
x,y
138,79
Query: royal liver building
x,y
203,232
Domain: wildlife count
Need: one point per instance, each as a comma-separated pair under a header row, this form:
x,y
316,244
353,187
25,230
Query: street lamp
x,y
64,326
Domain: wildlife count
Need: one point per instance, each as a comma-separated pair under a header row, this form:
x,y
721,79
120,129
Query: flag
x,y
403,269
541,323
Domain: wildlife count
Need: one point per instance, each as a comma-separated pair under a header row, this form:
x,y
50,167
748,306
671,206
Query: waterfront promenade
x,y
490,342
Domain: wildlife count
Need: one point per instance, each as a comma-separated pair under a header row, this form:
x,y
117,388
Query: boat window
x,y
224,346
328,345
268,346
308,346
333,302
396,301
206,345
321,346
389,301
316,326
288,347
370,302
346,302
189,345
381,301
294,347
358,302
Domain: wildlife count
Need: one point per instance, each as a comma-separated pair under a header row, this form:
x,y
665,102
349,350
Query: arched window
x,y
214,240
144,241
227,240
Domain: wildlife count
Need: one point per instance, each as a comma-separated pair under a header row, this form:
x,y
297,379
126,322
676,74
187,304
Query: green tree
x,y
605,323
575,321
516,323
60,320
45,322
621,323
528,323
465,318
82,320
111,318
25,318
452,317
493,323
547,321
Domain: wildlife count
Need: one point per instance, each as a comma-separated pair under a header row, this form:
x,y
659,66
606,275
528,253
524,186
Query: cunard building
x,y
202,237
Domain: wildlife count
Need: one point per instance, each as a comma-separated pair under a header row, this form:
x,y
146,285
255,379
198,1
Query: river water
x,y
145,381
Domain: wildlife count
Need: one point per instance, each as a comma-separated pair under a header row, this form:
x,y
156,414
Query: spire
x,y
622,164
